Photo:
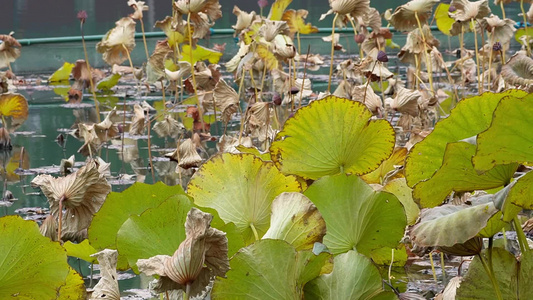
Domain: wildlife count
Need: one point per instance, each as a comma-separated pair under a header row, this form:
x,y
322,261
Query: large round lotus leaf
x,y
295,219
356,216
388,168
241,188
449,224
74,288
353,277
400,189
31,265
470,117
477,285
332,136
457,174
269,269
508,139
118,207
158,230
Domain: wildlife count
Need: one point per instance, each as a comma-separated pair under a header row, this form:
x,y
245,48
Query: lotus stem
x,y
200,111
144,40
525,26
298,39
303,79
479,83
491,277
443,268
253,82
368,81
390,265
254,231
332,51
187,292
60,217
490,62
428,63
432,266
241,84
361,54
90,73
522,240
503,9
150,147
263,80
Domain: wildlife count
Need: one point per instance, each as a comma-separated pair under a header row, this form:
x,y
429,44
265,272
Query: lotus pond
x,y
390,161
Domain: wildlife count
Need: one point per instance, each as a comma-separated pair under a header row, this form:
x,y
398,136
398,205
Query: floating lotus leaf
x,y
81,250
241,187
470,117
253,273
405,16
118,42
107,286
389,168
74,287
354,277
277,9
399,188
199,54
436,224
457,174
158,230
13,105
107,83
356,216
508,139
296,21
332,136
62,74
118,207
31,266
513,278
296,220
442,18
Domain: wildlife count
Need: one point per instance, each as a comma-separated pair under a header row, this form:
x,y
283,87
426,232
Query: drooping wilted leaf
x,y
296,21
118,42
253,274
241,187
155,68
332,136
295,219
226,100
107,286
356,216
405,16
9,50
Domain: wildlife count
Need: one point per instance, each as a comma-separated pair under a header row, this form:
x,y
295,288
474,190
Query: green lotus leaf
x,y
356,216
443,19
199,54
108,82
82,250
400,189
118,207
508,139
63,73
332,136
457,174
436,224
383,256
74,287
31,265
513,277
157,230
469,117
241,188
521,32
296,220
522,192
353,277
254,274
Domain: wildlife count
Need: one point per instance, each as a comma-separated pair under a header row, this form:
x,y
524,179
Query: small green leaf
x,y
63,73
108,82
81,250
443,20
199,54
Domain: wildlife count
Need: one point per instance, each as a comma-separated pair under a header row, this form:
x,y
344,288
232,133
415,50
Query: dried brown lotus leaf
x,y
107,129
344,90
257,120
355,8
518,70
405,16
104,168
335,38
139,7
270,29
168,127
137,122
186,155
501,30
155,68
206,76
284,47
406,101
371,100
244,19
9,50
118,42
226,100
233,63
202,14
467,10
49,228
414,45
107,287
228,144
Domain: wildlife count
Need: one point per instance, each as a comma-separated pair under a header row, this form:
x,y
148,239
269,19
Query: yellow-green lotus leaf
x,y
63,73
332,136
241,187
74,288
31,265
469,117
522,192
82,250
252,150
508,139
389,169
443,20
200,53
295,219
457,174
399,188
296,21
14,105
277,9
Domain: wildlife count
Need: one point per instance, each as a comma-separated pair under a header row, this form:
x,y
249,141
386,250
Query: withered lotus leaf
x,y
169,127
296,21
518,70
137,122
199,258
405,16
107,287
186,155
226,100
139,7
9,50
13,105
118,42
